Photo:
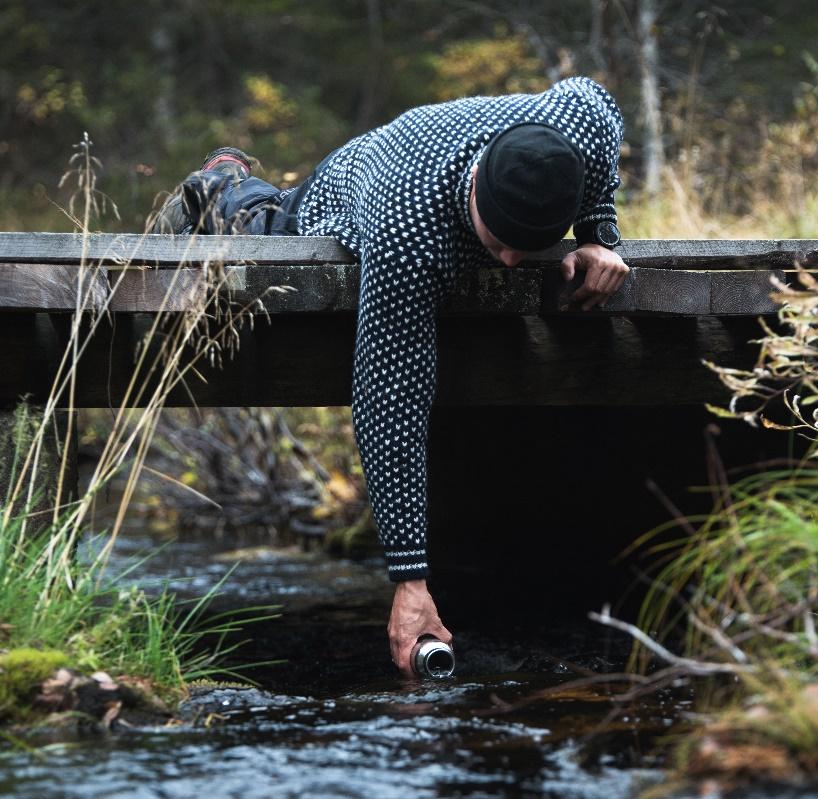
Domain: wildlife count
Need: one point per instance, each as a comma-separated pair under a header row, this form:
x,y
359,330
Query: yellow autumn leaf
x,y
341,487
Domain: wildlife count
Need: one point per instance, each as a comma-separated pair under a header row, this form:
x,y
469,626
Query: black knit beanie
x,y
530,181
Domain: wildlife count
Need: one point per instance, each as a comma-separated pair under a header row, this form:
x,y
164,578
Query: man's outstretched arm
x,y
393,387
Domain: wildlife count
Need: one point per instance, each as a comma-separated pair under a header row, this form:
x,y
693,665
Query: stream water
x,y
334,721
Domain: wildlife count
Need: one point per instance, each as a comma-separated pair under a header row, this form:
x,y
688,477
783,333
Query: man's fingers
x,y
413,614
401,649
404,658
617,279
588,297
594,282
600,285
568,265
596,299
607,283
441,633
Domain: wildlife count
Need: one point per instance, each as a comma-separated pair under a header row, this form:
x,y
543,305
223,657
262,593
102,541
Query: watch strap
x,y
586,233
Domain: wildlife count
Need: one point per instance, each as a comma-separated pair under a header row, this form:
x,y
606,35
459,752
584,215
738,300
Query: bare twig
x,y
692,666
721,640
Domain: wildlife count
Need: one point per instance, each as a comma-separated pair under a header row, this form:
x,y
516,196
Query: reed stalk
x,y
46,597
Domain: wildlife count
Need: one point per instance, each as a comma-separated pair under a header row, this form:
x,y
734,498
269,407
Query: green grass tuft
x,y
750,568
95,624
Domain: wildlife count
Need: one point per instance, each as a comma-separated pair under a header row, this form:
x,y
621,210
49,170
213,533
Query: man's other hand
x,y
413,614
604,271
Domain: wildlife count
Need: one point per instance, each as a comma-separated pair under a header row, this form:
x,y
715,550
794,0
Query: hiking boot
x,y
197,194
229,161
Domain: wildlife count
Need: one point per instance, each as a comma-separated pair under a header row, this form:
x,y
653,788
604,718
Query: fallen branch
x,y
691,666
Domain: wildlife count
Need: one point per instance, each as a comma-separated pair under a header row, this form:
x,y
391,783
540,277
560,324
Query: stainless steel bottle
x,y
432,659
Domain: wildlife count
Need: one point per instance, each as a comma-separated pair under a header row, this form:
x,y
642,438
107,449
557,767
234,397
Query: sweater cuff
x,y
407,565
585,226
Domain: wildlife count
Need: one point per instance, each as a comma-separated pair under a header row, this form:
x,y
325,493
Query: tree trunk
x,y
372,80
654,155
164,47
596,38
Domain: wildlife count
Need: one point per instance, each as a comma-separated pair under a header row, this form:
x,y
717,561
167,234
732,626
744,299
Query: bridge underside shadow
x,y
530,507
545,433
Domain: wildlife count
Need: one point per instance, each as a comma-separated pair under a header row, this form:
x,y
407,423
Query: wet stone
x,y
205,700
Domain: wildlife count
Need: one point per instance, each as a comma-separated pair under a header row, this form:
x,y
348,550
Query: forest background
x,y
720,100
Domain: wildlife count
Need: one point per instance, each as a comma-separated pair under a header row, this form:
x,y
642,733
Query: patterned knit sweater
x,y
398,198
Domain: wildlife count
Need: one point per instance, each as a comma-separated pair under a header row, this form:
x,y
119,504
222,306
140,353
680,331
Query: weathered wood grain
x,y
732,292
140,289
298,359
157,289
323,288
153,249
333,288
664,291
113,249
55,288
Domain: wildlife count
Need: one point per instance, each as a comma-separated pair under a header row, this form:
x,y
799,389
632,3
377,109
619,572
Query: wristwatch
x,y
607,234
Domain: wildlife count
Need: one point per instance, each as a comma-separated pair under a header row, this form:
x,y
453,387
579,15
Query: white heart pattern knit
x,y
397,198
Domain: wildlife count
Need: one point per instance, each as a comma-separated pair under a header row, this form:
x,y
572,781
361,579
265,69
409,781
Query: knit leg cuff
x,y
407,565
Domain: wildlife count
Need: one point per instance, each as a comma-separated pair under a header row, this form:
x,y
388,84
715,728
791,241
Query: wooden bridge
x,y
508,337
548,420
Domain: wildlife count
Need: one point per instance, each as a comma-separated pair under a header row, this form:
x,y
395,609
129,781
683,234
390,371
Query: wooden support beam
x,y
30,287
333,288
679,292
116,249
300,359
149,289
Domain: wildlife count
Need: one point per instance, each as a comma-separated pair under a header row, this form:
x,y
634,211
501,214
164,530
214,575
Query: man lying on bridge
x,y
440,189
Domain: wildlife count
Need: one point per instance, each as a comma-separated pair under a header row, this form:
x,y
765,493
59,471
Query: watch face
x,y
608,234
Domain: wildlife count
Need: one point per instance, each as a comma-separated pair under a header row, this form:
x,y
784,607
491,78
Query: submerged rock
x,y
209,699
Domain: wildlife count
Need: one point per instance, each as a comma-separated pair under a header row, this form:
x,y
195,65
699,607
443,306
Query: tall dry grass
x,y
681,211
65,603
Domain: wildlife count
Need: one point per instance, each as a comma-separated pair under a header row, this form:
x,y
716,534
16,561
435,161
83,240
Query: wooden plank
x,y
663,291
298,359
141,289
734,292
675,292
323,288
152,289
55,288
719,253
333,288
327,288
65,248
153,249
